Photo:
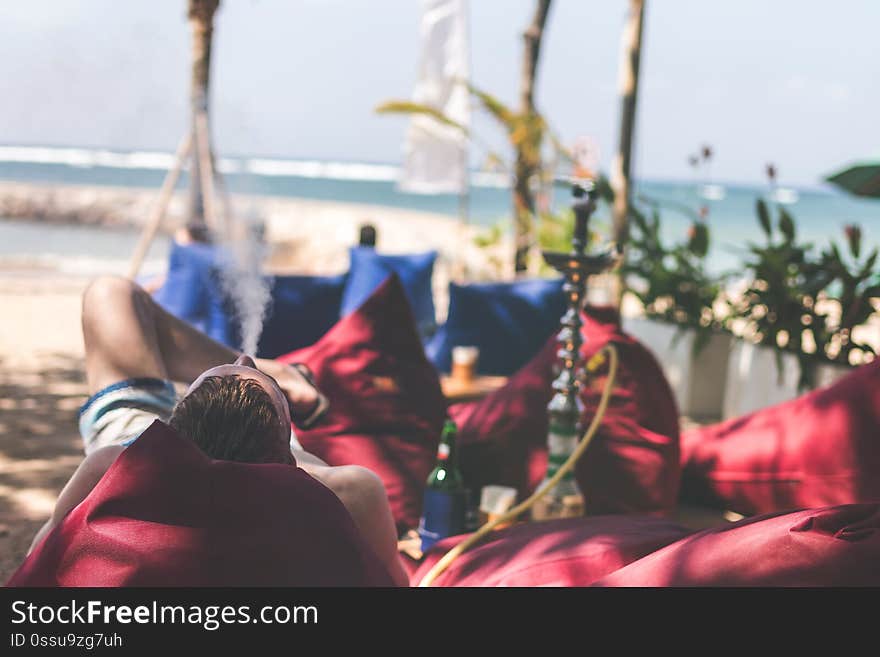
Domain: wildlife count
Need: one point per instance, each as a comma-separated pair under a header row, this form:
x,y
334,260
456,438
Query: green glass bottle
x,y
445,503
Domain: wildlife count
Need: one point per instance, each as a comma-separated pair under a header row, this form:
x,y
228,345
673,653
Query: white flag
x,y
435,155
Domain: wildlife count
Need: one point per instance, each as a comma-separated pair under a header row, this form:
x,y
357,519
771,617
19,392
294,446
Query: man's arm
x,y
363,494
128,335
81,483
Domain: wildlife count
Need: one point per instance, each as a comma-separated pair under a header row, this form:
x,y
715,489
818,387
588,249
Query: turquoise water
x,y
820,216
820,213
20,237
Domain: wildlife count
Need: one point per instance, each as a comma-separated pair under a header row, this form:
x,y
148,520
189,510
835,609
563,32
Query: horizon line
x,y
818,185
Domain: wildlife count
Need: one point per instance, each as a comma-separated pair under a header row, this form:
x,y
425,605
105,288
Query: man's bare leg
x,y
128,335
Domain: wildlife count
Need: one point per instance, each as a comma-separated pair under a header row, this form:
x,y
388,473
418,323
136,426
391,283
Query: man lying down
x,y
235,409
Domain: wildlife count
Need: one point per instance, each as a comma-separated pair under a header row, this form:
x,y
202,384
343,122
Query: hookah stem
x,y
595,362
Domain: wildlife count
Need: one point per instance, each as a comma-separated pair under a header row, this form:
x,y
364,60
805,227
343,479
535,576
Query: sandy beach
x,y
41,388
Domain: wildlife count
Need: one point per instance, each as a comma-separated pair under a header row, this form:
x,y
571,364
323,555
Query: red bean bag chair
x,y
820,449
633,464
831,546
567,552
165,514
386,405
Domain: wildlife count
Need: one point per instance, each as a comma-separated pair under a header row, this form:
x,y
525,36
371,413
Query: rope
x,y
594,363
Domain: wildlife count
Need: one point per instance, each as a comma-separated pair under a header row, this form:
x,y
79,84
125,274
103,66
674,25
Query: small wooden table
x,y
456,390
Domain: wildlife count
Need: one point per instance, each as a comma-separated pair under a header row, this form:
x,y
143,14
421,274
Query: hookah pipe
x,y
576,265
565,409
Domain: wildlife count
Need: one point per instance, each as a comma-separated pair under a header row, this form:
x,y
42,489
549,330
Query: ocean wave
x,y
785,195
490,179
318,169
713,192
85,158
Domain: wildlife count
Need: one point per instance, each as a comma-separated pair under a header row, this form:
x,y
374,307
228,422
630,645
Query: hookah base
x,y
552,507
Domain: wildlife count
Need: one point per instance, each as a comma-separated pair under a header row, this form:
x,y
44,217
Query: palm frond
x,y
409,107
494,107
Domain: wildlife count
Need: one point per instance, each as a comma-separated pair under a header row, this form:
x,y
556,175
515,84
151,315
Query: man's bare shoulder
x,y
101,459
87,475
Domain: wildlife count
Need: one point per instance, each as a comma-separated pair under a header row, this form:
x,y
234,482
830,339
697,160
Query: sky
x,y
792,82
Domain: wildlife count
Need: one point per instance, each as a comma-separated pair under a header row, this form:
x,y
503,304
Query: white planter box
x,y
698,384
753,379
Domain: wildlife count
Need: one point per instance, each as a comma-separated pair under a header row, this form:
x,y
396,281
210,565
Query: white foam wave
x,y
490,179
229,165
271,167
785,195
713,192
317,169
86,158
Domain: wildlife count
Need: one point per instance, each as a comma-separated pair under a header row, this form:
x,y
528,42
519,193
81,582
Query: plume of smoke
x,y
243,282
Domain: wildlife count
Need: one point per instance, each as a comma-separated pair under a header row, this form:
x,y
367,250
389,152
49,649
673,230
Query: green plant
x,y
528,134
671,281
779,305
489,240
852,289
555,230
805,303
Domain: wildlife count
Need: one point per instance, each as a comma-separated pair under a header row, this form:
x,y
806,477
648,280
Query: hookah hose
x,y
594,363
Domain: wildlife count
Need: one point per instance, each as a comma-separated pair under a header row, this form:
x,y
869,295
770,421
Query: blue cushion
x,y
509,322
369,269
184,293
190,290
302,309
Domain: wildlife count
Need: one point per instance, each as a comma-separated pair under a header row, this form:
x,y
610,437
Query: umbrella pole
x,y
151,227
621,167
206,172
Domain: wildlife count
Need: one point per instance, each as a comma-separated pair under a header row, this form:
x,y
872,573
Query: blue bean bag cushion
x,y
191,290
508,322
370,269
302,309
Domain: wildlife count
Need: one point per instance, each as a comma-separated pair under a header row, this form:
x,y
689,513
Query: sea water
x,y
28,247
820,211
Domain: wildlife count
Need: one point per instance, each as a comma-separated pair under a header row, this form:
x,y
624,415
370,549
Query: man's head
x,y
236,413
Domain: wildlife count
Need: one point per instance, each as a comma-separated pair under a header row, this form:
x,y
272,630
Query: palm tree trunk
x,y
526,164
621,168
201,19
